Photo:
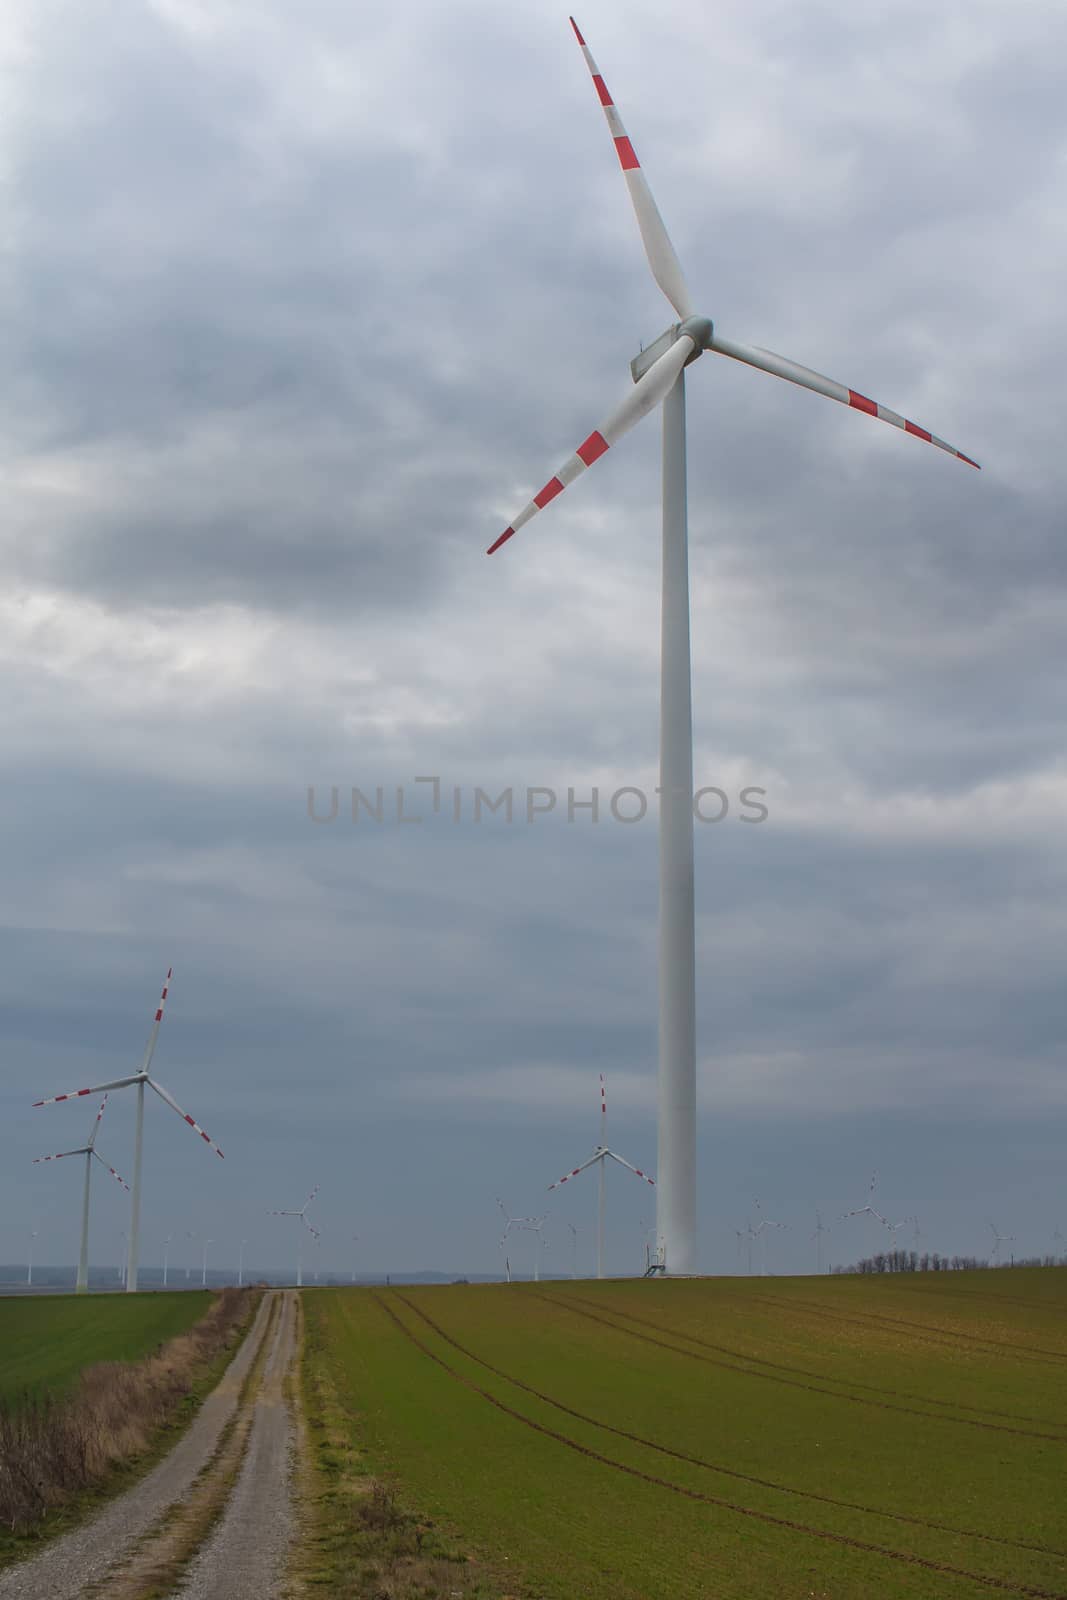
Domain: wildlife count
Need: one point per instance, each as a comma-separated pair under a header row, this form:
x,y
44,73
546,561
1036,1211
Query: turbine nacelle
x,y
699,329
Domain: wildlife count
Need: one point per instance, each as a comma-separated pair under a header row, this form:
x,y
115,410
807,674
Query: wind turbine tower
x,y
90,1152
659,379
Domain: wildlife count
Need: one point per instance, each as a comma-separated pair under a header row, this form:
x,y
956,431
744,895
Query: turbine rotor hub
x,y
700,330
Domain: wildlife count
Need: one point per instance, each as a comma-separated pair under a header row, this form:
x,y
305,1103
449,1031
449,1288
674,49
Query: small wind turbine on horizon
x,y
302,1214
89,1151
601,1154
998,1240
532,1225
760,1232
820,1229
868,1209
658,374
141,1079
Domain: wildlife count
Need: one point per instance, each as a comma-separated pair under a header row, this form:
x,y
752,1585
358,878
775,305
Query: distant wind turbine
x,y
532,1225
820,1229
601,1154
998,1240
89,1151
302,1214
139,1078
659,378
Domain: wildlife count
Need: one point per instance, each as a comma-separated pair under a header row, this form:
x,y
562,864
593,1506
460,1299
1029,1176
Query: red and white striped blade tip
x,y
818,383
79,1094
163,1095
659,251
645,394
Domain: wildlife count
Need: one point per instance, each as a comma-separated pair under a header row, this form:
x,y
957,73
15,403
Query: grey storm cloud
x,y
300,309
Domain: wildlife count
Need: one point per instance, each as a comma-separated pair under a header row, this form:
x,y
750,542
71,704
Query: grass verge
x,y
358,1532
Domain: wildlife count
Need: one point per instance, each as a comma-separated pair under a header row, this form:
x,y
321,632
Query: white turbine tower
x,y
302,1214
820,1229
601,1154
88,1150
166,1253
139,1078
658,377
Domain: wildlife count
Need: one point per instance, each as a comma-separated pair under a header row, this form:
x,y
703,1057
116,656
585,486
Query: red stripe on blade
x,y
551,489
627,157
861,403
593,448
190,1121
504,537
968,460
577,35
602,90
913,427
159,1016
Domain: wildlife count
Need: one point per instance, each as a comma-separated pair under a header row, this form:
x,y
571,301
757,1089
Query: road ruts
x,y
81,1559
244,1558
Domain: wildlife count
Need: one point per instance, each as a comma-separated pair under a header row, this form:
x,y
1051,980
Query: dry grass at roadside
x,y
54,1451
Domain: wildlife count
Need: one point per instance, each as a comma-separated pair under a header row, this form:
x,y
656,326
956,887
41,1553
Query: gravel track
x,y
69,1565
244,1558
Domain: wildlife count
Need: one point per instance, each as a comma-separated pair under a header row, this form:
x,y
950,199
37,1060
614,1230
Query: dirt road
x,y
214,1518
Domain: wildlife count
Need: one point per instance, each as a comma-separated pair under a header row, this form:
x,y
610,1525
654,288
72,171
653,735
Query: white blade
x,y
99,1088
163,1095
112,1171
645,394
309,1199
150,1047
96,1124
635,1170
575,1171
792,372
84,1151
666,268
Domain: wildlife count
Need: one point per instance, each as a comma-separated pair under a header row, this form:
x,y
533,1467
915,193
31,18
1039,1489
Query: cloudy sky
x,y
300,306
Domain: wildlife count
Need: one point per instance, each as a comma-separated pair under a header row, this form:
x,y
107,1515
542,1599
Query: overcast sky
x,y
300,305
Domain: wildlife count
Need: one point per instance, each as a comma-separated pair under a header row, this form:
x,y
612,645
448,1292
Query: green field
x,y
726,1438
46,1340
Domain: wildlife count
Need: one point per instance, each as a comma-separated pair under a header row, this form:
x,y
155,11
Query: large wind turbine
x,y
602,1155
140,1078
88,1150
658,377
302,1214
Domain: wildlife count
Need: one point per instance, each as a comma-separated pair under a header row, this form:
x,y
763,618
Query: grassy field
x,y
732,1438
45,1341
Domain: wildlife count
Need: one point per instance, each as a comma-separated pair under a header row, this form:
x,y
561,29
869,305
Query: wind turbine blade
x,y
662,258
645,394
150,1047
60,1154
163,1095
575,1171
96,1124
792,372
77,1094
309,1199
112,1171
635,1170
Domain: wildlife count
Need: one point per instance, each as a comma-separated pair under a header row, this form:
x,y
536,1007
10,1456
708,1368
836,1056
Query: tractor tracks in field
x,y
212,1520
927,1332
735,1359
867,1547
713,1466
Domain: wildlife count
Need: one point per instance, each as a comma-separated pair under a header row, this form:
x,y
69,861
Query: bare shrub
x,y
52,1450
